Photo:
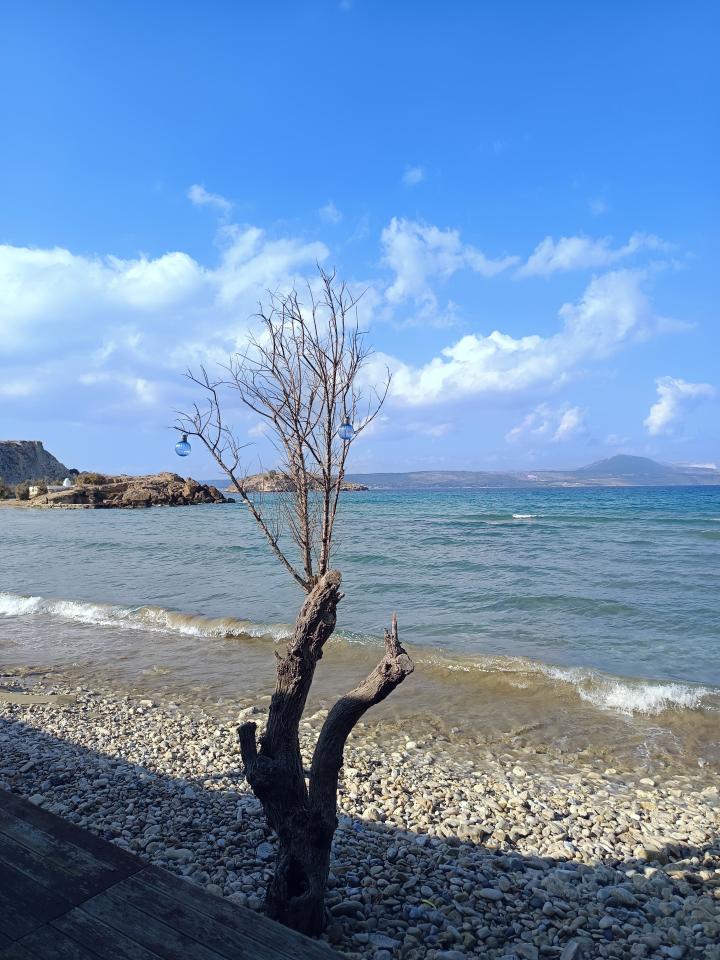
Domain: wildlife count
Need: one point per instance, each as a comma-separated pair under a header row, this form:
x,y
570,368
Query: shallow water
x,y
585,619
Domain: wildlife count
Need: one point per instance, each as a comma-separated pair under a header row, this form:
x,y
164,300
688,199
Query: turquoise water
x,y
613,593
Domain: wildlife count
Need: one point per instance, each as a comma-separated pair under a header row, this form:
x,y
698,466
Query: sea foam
x,y
148,618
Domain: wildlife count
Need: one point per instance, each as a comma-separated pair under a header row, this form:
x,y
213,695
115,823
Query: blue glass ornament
x,y
346,431
182,447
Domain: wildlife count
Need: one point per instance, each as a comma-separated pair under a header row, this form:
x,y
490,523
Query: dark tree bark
x,y
300,376
305,816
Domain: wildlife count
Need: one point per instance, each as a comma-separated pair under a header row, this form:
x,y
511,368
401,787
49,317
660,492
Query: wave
x,y
649,697
621,695
624,695
525,516
149,618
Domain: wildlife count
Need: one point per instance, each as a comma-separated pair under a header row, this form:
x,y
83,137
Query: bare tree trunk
x,y
305,819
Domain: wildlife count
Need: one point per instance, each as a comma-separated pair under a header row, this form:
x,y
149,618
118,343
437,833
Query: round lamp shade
x,y
346,431
182,447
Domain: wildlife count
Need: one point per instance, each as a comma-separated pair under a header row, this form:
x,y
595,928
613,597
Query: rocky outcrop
x,y
161,489
22,460
275,481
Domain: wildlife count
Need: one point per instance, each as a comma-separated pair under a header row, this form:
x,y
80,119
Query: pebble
x,y
440,854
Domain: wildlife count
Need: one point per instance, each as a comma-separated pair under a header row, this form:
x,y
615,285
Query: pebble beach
x,y
441,853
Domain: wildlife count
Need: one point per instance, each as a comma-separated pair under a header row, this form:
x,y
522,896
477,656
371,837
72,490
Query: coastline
x,y
441,853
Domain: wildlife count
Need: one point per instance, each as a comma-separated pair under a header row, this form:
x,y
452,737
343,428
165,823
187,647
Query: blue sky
x,y
527,193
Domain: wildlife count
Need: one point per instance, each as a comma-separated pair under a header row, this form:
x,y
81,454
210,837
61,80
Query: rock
x,y
38,799
347,908
22,460
571,951
383,942
265,851
161,489
275,481
526,950
178,853
489,893
617,895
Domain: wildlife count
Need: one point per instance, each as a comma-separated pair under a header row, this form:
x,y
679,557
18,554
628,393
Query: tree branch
x,y
328,756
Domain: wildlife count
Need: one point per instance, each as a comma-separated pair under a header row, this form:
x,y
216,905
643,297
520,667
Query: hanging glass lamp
x,y
346,431
182,447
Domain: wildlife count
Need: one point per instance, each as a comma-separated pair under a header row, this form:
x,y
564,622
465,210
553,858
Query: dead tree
x,y
299,374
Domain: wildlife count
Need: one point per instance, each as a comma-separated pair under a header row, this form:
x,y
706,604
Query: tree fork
x,y
305,819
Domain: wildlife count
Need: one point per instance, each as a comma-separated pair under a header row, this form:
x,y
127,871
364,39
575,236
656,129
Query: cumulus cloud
x,y
201,197
330,213
413,176
129,328
674,398
419,253
612,311
548,423
583,253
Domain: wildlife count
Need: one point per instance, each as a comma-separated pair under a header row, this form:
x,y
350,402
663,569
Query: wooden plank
x,y
17,952
50,943
76,887
68,856
98,936
67,832
26,905
153,934
286,944
229,943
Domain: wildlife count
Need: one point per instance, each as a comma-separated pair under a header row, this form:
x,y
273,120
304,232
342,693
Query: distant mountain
x,y
439,480
618,471
631,468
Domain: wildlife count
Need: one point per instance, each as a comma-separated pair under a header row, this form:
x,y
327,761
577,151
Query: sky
x,y
525,194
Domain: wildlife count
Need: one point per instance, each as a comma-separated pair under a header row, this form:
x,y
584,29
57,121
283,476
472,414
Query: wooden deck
x,y
67,895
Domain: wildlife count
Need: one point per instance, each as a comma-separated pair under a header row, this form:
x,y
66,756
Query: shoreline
x,y
440,853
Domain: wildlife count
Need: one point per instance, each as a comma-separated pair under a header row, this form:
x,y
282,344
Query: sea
x,y
579,620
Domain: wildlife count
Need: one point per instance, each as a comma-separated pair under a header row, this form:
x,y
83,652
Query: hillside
x,y
28,460
618,471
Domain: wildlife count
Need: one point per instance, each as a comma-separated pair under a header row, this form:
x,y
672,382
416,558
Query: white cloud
x,y
549,423
259,429
598,206
583,253
433,430
419,253
612,311
17,388
413,176
127,329
675,397
203,198
330,213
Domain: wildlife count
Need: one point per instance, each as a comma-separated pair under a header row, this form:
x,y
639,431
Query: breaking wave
x,y
149,618
619,695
